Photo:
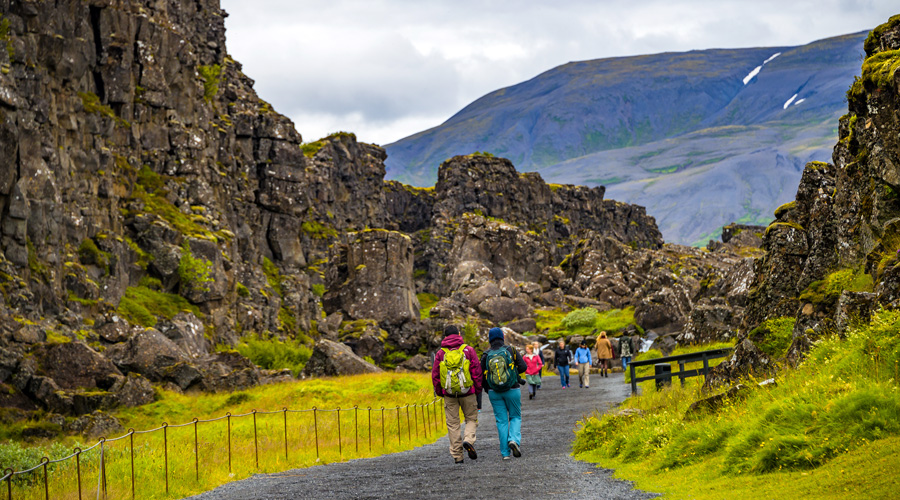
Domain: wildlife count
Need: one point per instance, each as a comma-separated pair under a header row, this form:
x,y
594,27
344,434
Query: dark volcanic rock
x,y
149,353
334,359
374,279
91,369
746,360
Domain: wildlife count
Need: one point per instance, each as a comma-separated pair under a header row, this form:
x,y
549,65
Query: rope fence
x,y
166,461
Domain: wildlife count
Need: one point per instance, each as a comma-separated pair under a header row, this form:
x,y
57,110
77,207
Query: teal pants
x,y
508,414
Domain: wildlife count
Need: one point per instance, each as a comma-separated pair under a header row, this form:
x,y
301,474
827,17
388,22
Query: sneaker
x,y
507,457
470,450
515,449
459,461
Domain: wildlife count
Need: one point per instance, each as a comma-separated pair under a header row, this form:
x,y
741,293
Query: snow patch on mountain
x,y
789,101
759,68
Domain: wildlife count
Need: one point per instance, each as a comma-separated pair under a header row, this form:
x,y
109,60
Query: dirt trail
x,y
545,469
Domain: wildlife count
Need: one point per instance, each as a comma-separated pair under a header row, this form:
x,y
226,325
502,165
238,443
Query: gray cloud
x,y
390,68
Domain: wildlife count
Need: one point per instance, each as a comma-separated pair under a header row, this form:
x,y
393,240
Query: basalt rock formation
x,y
832,254
153,207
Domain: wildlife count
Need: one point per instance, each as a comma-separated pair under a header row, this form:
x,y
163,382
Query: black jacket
x,y
562,356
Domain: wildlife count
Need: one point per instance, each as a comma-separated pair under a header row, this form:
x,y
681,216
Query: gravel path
x,y
545,469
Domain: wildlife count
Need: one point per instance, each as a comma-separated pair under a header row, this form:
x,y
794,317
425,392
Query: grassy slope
x,y
812,431
386,389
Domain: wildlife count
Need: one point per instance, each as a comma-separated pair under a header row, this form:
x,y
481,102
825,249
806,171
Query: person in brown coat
x,y
604,354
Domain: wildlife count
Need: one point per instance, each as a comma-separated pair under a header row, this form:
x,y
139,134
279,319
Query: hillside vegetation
x,y
810,427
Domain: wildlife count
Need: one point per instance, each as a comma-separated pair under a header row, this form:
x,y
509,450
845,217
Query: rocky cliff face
x,y
832,254
152,207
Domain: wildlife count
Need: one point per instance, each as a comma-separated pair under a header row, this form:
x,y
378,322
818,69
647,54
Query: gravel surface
x,y
545,469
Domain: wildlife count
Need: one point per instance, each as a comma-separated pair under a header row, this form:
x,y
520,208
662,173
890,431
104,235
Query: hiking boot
x,y
515,449
507,457
470,450
459,460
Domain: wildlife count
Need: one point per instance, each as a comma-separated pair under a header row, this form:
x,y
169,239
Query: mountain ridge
x,y
572,122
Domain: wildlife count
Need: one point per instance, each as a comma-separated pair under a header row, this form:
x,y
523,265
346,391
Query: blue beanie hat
x,y
495,333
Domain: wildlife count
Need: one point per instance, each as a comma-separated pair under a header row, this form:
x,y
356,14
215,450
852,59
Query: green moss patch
x,y
426,302
92,105
194,273
830,288
142,306
774,336
212,76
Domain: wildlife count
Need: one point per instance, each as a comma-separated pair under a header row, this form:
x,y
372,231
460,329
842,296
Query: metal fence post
x,y
285,435
408,433
131,440
9,482
370,428
45,461
316,427
382,427
78,469
398,425
228,417
165,427
356,426
340,446
196,452
415,417
255,440
103,466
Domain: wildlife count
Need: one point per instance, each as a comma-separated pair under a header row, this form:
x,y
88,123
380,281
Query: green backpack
x,y
500,370
455,377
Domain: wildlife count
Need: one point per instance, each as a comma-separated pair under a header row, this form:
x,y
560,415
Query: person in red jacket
x,y
467,399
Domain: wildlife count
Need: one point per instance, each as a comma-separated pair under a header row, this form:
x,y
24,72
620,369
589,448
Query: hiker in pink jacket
x,y
533,371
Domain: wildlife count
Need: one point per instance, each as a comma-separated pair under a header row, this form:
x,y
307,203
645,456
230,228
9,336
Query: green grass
x,y
426,302
579,322
841,405
387,390
142,306
273,354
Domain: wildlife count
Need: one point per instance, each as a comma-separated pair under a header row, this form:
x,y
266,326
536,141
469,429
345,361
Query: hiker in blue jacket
x,y
502,365
583,359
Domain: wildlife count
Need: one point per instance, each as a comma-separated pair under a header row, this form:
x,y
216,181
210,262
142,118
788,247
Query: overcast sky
x,y
386,69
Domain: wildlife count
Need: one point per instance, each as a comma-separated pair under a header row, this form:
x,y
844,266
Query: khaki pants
x,y
584,374
469,407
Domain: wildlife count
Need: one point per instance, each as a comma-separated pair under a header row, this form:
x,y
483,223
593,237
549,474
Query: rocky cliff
x,y
832,253
152,207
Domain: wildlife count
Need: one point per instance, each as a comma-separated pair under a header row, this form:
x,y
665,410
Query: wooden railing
x,y
681,359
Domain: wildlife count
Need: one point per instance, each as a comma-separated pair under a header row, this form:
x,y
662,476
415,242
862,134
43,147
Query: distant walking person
x,y
625,351
540,354
604,354
533,368
456,375
583,360
562,357
502,366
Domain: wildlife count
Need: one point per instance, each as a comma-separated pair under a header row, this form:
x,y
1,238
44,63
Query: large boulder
x,y
335,359
487,291
504,309
523,325
149,353
187,331
93,370
374,278
417,363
